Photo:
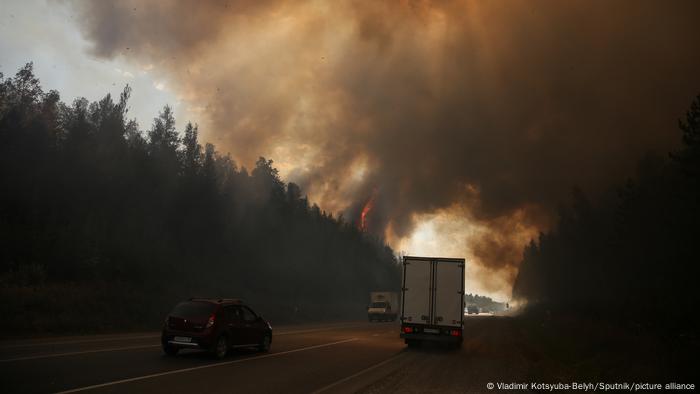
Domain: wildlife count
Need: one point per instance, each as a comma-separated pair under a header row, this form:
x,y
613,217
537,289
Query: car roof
x,y
236,301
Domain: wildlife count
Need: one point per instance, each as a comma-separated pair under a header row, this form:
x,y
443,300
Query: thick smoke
x,y
489,110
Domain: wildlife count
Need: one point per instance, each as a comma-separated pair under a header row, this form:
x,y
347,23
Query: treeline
x,y
105,226
631,255
486,304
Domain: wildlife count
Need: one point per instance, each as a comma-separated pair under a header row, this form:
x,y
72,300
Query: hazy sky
x,y
465,122
47,33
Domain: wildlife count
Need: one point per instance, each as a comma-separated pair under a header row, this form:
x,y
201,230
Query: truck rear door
x,y
448,309
416,291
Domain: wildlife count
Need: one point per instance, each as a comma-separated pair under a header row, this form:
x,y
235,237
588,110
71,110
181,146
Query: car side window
x,y
248,315
232,314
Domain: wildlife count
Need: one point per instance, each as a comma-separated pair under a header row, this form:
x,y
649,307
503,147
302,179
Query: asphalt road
x,y
341,357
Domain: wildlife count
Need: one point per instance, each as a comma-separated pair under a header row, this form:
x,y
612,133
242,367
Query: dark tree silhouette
x,y
633,254
105,226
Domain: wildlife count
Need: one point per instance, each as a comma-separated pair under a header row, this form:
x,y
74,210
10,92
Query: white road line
x,y
71,342
341,381
155,375
315,330
125,338
113,349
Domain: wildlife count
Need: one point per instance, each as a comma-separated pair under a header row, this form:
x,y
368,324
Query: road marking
x,y
125,338
155,375
341,381
113,349
65,354
78,341
315,330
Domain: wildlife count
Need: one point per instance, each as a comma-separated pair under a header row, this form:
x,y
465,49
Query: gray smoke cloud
x,y
486,110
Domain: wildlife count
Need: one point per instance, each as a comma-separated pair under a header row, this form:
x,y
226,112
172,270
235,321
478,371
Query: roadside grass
x,y
58,308
91,307
571,348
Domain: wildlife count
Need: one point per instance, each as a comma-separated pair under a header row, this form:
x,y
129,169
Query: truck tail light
x,y
456,333
210,323
408,330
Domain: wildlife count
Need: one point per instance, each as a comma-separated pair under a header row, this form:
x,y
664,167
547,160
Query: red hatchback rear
x,y
216,325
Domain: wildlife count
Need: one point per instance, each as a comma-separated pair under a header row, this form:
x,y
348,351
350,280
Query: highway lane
x,y
61,346
339,358
302,359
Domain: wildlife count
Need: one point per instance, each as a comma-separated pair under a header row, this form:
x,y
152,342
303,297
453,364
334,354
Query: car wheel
x,y
170,350
221,347
265,344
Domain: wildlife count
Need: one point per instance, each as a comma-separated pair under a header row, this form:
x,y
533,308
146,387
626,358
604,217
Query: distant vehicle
x,y
384,306
472,309
215,325
433,300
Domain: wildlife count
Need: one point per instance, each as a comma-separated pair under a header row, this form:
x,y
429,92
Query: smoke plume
x,y
484,113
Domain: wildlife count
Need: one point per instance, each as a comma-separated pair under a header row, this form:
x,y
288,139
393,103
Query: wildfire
x,y
365,211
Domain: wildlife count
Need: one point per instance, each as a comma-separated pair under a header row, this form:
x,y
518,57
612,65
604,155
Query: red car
x,y
215,325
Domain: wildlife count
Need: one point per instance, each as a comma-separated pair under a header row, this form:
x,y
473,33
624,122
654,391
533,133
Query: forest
x,y
631,255
485,304
104,225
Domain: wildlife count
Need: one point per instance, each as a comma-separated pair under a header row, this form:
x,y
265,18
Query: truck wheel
x,y
413,343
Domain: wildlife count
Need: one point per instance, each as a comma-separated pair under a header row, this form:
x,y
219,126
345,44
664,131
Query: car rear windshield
x,y
379,305
193,309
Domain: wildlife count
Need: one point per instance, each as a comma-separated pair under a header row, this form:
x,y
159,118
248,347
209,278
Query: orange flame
x,y
365,211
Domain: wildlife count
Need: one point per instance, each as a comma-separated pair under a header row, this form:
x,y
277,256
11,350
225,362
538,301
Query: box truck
x,y
383,305
432,294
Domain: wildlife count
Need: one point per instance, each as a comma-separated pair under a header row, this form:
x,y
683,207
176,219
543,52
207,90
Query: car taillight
x,y
210,323
408,330
456,333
